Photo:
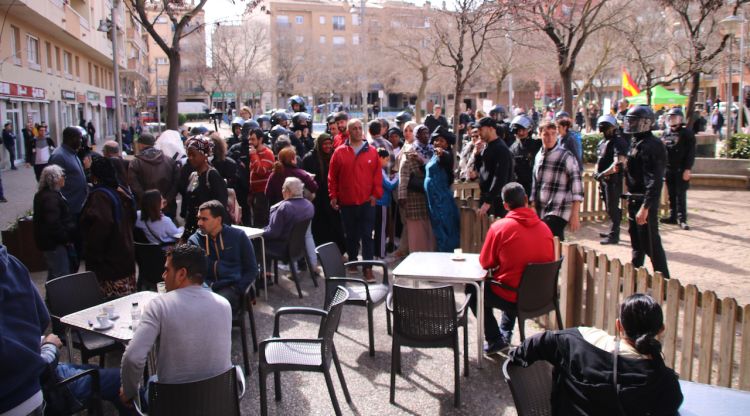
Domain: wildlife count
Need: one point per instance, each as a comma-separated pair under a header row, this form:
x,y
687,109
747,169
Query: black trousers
x,y
556,225
677,189
644,239
611,191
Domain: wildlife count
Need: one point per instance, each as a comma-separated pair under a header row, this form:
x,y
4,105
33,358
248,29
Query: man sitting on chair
x,y
285,214
191,325
512,243
229,254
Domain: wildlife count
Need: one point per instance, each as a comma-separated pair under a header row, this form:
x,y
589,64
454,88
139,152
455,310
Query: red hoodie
x,y
513,242
353,179
340,139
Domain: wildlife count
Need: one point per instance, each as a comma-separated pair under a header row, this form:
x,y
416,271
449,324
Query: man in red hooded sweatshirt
x,y
512,243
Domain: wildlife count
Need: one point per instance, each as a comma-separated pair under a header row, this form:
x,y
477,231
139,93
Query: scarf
x,y
424,151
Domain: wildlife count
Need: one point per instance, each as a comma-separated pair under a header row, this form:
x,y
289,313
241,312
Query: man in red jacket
x,y
355,183
512,243
341,119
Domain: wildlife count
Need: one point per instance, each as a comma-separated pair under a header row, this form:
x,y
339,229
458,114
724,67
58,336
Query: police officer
x,y
499,114
402,118
237,123
280,117
265,122
645,165
680,143
611,152
297,104
524,150
302,123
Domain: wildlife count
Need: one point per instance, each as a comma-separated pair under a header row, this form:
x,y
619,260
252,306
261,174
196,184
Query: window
x,y
48,49
162,61
57,60
322,20
322,39
299,38
282,20
426,22
355,20
32,51
78,67
91,74
162,82
355,39
339,23
339,40
298,20
96,76
15,44
67,58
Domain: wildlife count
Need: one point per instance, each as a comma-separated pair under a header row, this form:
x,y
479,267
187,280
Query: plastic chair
x,y
537,293
428,318
150,260
308,354
214,396
530,386
72,293
294,251
59,390
361,293
246,304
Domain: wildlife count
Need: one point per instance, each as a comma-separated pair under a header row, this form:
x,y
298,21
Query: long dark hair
x,y
642,319
151,205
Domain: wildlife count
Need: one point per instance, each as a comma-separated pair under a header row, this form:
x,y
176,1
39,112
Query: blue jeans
x,y
58,263
359,222
109,384
492,301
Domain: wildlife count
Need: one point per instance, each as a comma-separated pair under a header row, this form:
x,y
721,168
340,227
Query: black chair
x,y
246,304
428,318
58,394
361,293
537,292
72,293
531,387
303,354
150,260
214,396
294,251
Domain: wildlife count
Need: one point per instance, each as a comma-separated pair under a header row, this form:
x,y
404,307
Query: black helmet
x,y
237,121
676,111
265,122
403,117
331,118
277,131
561,114
296,99
638,119
278,116
298,118
498,112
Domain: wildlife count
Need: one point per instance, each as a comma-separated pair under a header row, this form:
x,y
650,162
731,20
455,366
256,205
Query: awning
x,y
27,100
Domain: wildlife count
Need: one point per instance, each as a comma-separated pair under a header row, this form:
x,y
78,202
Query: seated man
x,y
512,243
229,253
293,209
191,325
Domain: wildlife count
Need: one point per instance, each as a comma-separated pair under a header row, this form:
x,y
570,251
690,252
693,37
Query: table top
x,y
440,267
250,232
121,330
704,399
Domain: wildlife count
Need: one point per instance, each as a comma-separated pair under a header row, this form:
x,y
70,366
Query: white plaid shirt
x,y
557,182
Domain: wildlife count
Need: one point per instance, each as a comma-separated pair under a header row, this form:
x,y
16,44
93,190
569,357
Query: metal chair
x,y
530,386
246,304
58,394
214,396
72,293
150,260
361,293
308,354
537,293
428,318
294,251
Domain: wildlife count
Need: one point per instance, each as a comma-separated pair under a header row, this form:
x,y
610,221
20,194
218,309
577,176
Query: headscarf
x,y
200,143
324,159
423,150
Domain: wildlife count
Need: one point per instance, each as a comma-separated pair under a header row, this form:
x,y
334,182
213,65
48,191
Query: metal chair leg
x,y
263,394
395,351
466,348
311,271
341,375
293,269
332,392
243,336
253,332
277,385
370,329
521,329
456,374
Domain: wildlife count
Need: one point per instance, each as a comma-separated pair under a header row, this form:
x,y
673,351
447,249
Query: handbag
x,y
415,184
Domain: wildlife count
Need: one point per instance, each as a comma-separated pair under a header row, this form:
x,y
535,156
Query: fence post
x,y
726,341
690,320
670,321
745,357
708,320
569,305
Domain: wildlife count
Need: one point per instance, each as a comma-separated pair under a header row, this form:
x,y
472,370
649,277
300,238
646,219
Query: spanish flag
x,y
629,88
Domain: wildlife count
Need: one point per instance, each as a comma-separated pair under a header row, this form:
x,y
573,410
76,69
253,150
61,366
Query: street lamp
x,y
110,26
733,25
363,51
158,94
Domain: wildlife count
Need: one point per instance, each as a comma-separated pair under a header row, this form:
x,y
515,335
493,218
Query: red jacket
x,y
340,139
513,242
353,179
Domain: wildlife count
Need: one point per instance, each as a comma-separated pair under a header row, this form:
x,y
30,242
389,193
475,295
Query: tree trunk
x,y
173,91
695,81
499,90
420,94
457,93
566,77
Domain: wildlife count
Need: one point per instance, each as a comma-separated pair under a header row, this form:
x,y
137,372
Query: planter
x,y
705,145
20,243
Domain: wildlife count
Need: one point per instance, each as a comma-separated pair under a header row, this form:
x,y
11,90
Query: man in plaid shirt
x,y
557,190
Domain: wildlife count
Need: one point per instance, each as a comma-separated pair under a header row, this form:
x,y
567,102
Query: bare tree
x,y
462,33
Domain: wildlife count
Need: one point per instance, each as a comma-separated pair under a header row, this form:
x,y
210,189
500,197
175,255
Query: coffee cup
x,y
109,310
103,320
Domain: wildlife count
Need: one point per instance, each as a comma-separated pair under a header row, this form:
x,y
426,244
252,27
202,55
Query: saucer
x,y
458,258
115,316
103,328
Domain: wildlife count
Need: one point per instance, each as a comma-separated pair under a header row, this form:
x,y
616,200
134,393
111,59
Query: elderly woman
x,y
53,223
440,203
326,225
107,222
204,183
411,195
292,209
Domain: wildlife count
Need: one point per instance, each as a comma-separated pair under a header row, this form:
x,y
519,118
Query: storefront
x,y
94,112
68,108
22,104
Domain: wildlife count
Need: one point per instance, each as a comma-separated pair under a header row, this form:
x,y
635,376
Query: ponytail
x,y
647,344
642,319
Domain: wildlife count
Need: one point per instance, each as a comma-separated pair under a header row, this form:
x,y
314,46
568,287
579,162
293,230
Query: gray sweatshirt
x,y
192,330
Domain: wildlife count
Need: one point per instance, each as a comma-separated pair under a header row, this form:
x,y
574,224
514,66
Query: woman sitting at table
x,y
600,374
157,227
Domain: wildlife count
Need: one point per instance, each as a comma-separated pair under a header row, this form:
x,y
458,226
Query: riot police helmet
x,y
331,118
403,117
297,100
265,122
278,117
606,121
498,112
561,115
298,118
238,121
638,119
277,131
520,122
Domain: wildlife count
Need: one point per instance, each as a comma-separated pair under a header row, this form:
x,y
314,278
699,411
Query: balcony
x,y
136,70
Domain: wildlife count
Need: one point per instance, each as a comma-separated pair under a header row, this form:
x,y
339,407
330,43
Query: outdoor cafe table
x,y
253,233
704,399
120,331
442,268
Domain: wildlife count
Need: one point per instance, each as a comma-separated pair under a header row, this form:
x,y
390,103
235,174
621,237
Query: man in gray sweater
x,y
191,324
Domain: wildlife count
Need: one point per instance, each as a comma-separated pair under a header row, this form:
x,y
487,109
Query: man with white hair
x,y
285,214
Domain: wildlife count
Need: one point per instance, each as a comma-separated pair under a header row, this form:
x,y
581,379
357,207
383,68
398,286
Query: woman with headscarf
x,y
204,183
411,195
107,222
440,203
326,224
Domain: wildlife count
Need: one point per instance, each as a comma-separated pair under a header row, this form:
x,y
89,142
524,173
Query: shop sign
x,y
81,98
92,96
68,95
18,90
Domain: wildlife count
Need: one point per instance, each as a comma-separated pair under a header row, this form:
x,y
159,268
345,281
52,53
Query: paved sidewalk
x,y
19,187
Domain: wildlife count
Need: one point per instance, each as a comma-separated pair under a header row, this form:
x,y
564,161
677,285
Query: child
x,y
157,227
381,208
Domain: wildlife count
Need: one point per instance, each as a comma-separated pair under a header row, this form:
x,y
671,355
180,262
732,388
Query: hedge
x,y
589,141
737,147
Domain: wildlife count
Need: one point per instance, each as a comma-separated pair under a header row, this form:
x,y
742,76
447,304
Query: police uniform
x,y
645,167
680,146
607,152
524,151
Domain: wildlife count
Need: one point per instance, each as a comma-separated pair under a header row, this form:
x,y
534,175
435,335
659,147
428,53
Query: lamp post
x,y
363,60
158,95
111,27
733,25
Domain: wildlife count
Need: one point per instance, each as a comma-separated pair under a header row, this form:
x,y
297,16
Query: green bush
x,y
589,141
181,119
737,147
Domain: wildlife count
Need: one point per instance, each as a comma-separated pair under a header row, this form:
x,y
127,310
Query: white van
x,y
189,107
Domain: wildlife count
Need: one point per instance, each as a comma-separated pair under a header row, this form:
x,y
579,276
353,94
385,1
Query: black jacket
x,y
53,224
645,167
433,122
524,152
584,378
680,146
495,167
